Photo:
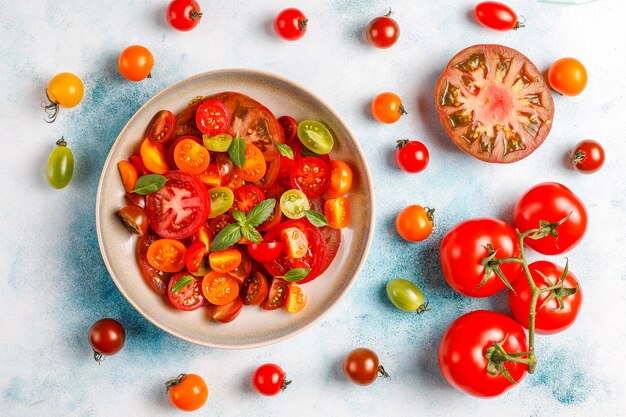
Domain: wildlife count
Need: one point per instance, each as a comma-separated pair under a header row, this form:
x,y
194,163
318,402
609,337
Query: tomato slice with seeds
x,y
202,235
161,127
246,197
219,288
254,289
294,242
180,208
167,255
254,166
226,260
290,127
337,212
157,279
311,175
227,312
212,117
332,237
191,157
172,147
340,179
189,297
296,298
242,272
210,177
195,254
217,224
277,295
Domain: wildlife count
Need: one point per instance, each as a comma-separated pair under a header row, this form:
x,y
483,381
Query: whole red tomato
x,y
290,24
551,202
549,318
184,14
383,31
464,248
588,156
463,349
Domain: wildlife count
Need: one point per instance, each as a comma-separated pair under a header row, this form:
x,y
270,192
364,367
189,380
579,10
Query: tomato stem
x,y
389,13
99,357
195,14
176,381
286,383
423,308
61,142
382,372
533,302
51,108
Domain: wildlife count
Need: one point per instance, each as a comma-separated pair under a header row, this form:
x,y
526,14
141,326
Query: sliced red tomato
x,y
212,117
227,312
311,175
219,288
180,208
254,166
277,295
296,298
246,197
332,237
161,127
172,147
265,251
255,288
195,254
313,259
189,297
294,242
157,279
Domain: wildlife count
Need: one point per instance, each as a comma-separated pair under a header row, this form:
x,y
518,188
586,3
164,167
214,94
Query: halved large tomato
x,y
157,279
180,208
494,104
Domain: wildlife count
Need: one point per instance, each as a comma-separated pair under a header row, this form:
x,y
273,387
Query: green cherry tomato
x,y
217,143
60,166
315,136
221,200
294,203
406,296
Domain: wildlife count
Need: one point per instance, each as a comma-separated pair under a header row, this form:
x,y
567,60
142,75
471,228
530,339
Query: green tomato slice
x,y
217,143
294,204
405,295
315,136
221,200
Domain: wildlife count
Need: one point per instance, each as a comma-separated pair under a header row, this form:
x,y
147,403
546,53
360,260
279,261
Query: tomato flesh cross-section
x,y
494,104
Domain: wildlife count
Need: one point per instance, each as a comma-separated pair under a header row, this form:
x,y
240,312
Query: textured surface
x,y
53,283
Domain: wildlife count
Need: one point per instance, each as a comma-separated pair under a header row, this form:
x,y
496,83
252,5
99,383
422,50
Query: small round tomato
x,y
158,280
277,295
222,200
412,156
128,174
290,24
154,157
187,392
495,15
172,146
337,212
383,31
311,175
217,143
134,219
191,157
195,255
220,288
135,63
315,136
361,366
296,299
106,337
551,202
588,156
161,127
265,251
415,223
294,242
290,127
387,108
294,204
340,179
212,117
254,290
185,292
60,166
227,312
167,255
246,197
567,76
406,296
254,166
65,90
226,260
269,379
183,15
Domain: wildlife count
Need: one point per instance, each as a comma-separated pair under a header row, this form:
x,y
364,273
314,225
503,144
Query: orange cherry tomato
x,y
340,179
129,175
415,223
210,176
135,63
188,392
387,108
134,218
203,235
296,298
295,243
167,255
225,260
153,157
568,76
337,212
191,157
220,288
254,166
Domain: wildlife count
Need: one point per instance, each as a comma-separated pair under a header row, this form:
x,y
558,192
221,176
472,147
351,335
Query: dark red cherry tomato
x,y
106,337
383,31
496,15
588,156
269,379
412,156
290,24
161,127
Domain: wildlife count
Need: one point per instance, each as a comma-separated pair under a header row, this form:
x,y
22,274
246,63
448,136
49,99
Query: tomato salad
x,y
233,206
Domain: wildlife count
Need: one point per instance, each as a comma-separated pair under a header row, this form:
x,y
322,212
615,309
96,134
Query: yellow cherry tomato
x,y
65,90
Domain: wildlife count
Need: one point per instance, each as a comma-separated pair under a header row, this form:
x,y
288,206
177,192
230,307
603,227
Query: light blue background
x,y
54,285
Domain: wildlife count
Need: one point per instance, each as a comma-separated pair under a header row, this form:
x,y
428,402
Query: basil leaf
x,y
296,274
148,184
316,219
227,237
240,217
251,234
284,150
182,283
237,151
261,212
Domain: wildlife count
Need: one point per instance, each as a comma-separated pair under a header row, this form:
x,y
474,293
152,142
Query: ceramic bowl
x,y
254,327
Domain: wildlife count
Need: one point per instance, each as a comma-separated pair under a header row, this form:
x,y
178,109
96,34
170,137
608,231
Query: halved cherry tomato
x,y
227,312
172,147
225,167
340,179
210,176
134,219
243,270
254,289
235,182
203,235
161,126
295,242
217,224
195,254
311,175
136,199
219,288
337,212
212,117
277,295
187,298
157,279
290,127
167,255
226,260
153,157
254,166
191,157
296,298
129,175
136,160
265,251
246,197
